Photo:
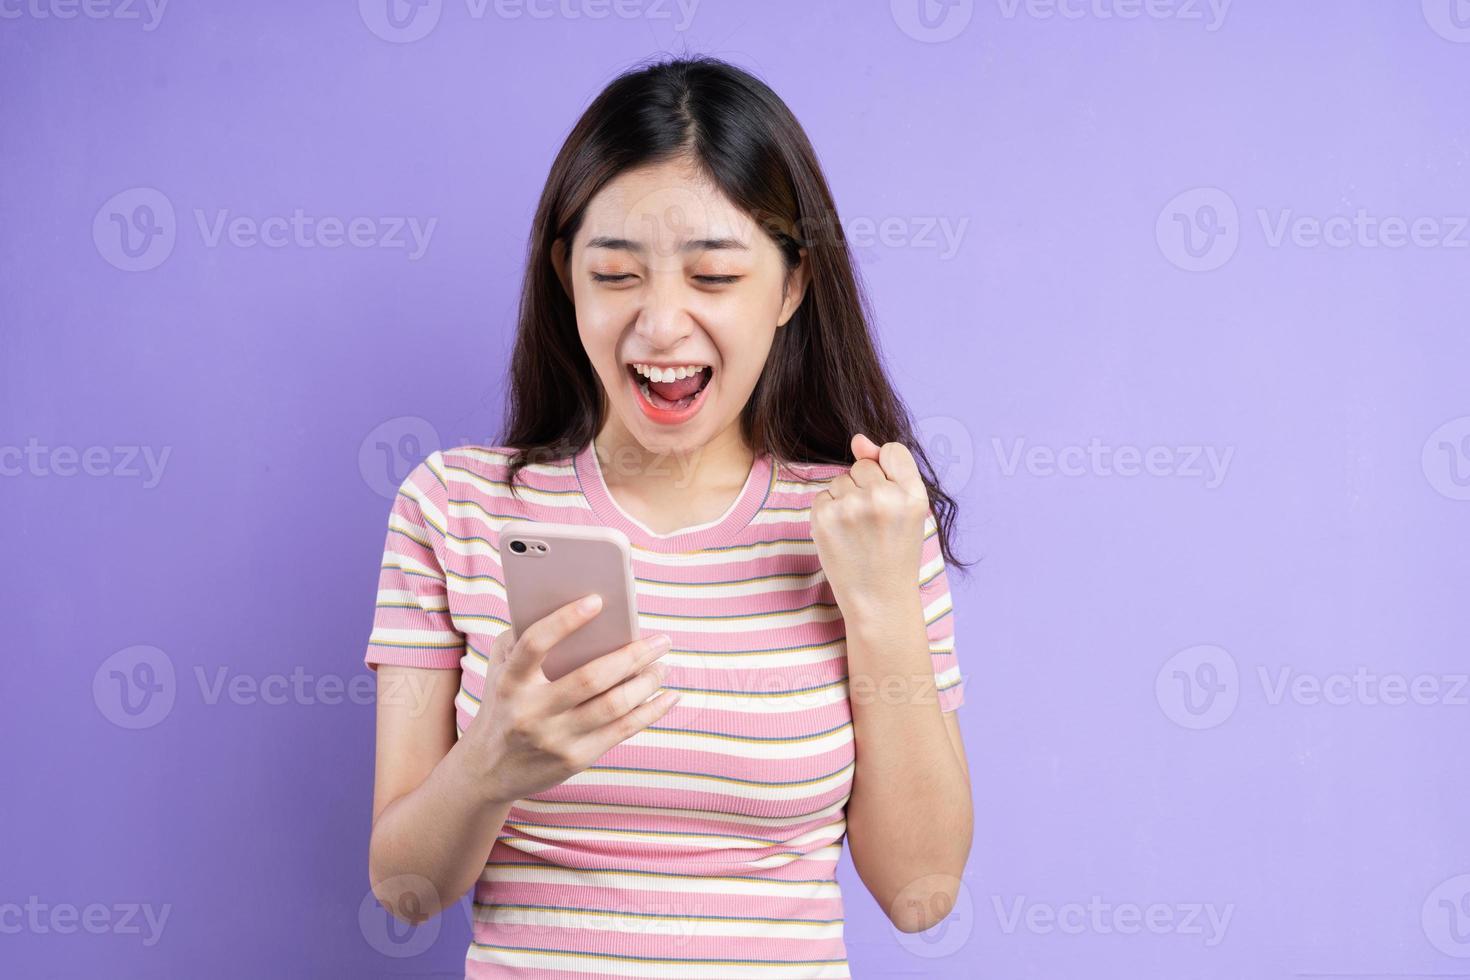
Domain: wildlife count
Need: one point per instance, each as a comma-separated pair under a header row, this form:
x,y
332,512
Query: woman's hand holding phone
x,y
532,733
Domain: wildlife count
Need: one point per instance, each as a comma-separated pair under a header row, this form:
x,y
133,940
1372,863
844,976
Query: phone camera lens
x,y
519,547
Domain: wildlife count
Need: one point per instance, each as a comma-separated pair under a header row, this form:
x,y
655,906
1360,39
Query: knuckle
x,y
505,686
586,684
621,701
541,643
520,727
629,725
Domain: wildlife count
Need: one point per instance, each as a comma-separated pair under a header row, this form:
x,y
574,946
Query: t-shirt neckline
x,y
722,530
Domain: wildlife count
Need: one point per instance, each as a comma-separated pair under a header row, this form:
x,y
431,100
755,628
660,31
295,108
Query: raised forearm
x,y
910,816
429,846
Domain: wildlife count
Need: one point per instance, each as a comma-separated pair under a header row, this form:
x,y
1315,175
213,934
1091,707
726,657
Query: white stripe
x,y
736,590
426,507
601,966
755,701
766,702
805,891
746,748
946,678
584,809
741,624
383,634
408,563
644,922
943,604
540,831
931,567
405,597
623,779
527,846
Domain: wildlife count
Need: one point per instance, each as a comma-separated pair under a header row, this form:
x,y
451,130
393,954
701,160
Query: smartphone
x,y
549,565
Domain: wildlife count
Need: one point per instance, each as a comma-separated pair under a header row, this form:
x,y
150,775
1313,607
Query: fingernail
x,y
661,641
590,602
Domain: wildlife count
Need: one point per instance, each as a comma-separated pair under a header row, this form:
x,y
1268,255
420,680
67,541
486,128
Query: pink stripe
x,y
729,646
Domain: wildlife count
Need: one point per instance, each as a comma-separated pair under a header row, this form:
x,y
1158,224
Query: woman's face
x,y
666,273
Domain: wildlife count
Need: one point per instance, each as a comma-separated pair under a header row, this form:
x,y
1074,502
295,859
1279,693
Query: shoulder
x,y
796,484
483,465
483,483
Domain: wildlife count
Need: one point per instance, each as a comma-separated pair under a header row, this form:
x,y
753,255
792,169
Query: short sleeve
x,y
411,622
939,619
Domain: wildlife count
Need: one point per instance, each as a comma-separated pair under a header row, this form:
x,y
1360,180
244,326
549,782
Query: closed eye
x,y
624,276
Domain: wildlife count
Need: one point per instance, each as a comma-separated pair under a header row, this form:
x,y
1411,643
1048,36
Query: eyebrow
x,y
693,245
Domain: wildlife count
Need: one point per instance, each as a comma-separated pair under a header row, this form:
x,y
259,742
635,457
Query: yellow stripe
x,y
771,920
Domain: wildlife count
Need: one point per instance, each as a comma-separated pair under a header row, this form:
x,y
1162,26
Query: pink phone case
x,y
561,563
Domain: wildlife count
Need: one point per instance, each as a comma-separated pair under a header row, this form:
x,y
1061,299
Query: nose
x,y
664,321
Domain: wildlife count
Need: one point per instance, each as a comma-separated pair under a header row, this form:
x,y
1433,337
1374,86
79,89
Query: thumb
x,y
864,448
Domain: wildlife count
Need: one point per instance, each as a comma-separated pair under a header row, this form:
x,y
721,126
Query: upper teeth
x,y
655,373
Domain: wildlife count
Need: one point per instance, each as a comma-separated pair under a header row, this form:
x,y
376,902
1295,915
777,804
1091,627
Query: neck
x,y
718,465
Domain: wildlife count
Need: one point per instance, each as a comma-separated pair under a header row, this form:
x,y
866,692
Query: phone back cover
x,y
578,560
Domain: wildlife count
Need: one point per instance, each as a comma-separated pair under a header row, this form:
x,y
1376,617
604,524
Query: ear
x,y
795,289
559,263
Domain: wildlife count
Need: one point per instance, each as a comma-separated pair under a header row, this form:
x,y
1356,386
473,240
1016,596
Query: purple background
x,y
1124,637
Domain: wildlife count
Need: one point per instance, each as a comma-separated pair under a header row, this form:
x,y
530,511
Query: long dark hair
x,y
823,380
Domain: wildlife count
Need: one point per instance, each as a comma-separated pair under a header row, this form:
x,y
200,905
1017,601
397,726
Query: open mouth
x,y
670,389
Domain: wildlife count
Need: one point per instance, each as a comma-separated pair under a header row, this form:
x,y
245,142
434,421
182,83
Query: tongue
x,y
674,390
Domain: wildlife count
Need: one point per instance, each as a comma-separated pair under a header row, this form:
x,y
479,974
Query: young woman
x,y
693,366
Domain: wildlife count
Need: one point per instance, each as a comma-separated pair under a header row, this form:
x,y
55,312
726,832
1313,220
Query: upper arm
x,y
415,721
939,624
939,630
414,647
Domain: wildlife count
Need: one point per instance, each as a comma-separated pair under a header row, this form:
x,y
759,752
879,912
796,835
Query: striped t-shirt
x,y
704,846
